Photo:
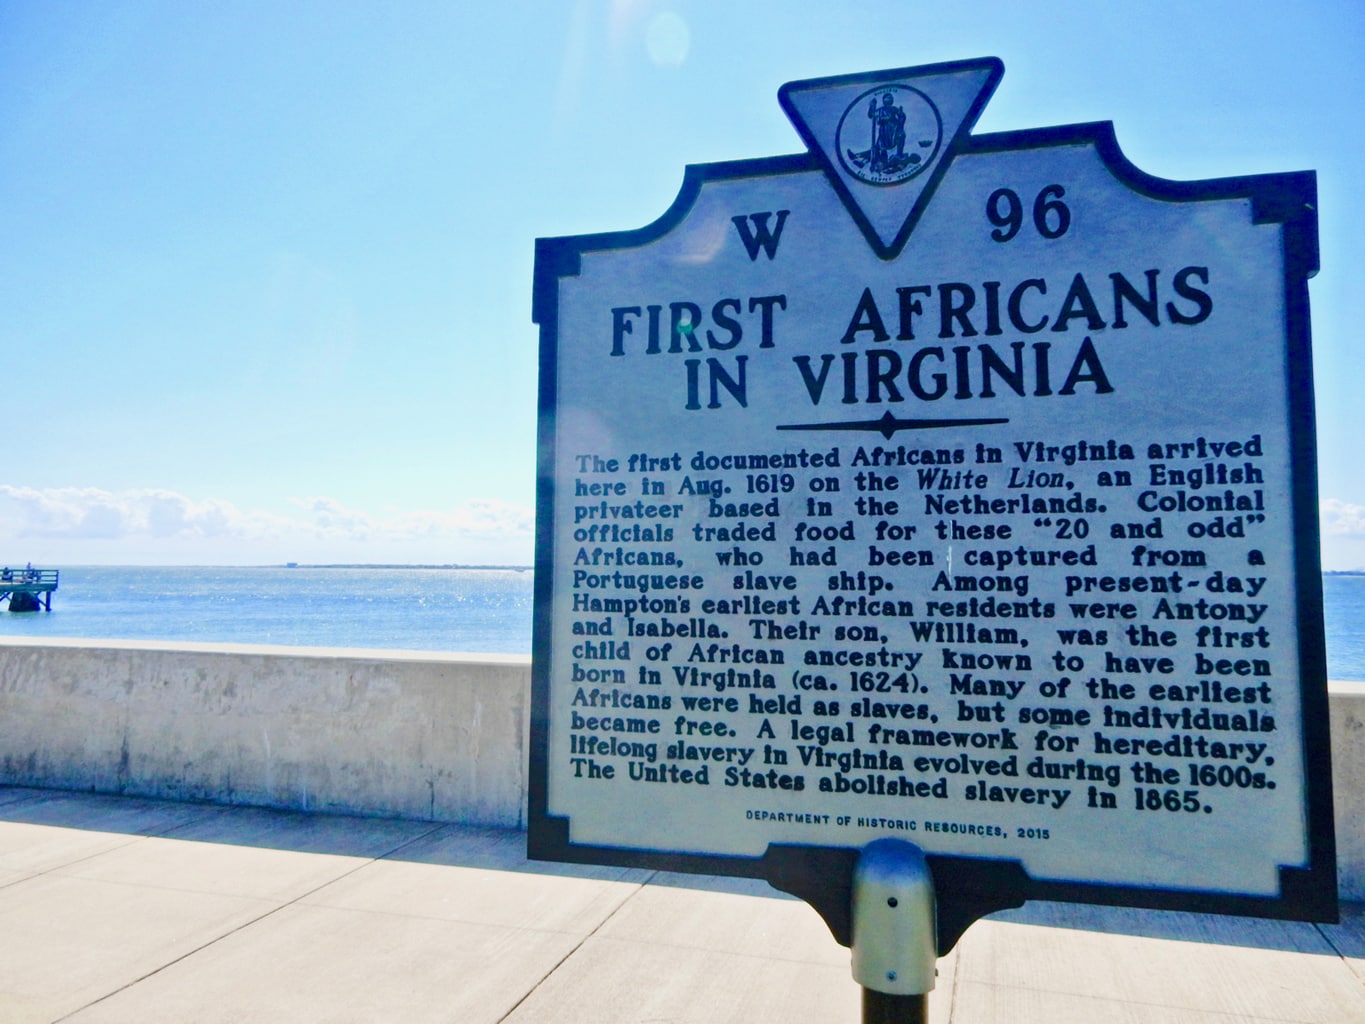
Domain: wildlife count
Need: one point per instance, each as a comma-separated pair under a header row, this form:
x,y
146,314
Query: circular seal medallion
x,y
888,135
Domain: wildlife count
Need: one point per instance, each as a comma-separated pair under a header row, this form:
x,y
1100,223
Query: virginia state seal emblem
x,y
889,134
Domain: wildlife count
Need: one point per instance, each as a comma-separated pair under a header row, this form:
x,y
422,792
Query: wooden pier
x,y
27,590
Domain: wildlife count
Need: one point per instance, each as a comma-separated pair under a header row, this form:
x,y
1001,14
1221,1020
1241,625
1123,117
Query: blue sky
x,y
265,269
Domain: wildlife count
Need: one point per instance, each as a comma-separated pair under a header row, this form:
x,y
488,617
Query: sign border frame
x,y
975,886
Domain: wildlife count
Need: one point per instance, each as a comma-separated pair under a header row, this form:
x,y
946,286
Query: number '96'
x,y
1051,216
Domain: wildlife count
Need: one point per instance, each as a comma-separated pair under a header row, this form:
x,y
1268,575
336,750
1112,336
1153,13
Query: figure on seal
x,y
888,135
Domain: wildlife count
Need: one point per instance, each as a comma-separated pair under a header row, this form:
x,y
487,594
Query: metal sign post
x,y
950,489
894,936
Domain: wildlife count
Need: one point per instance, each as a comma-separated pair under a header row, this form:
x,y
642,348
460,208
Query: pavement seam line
x,y
1341,953
576,947
957,980
366,862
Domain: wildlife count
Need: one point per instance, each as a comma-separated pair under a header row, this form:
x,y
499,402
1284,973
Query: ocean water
x,y
484,610
1343,615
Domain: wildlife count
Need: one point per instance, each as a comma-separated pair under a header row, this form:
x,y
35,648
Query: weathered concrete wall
x,y
435,736
395,733
1348,784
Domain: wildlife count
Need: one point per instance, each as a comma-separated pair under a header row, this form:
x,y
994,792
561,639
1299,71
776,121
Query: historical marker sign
x,y
948,487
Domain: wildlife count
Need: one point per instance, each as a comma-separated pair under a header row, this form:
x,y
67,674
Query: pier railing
x,y
27,590
28,581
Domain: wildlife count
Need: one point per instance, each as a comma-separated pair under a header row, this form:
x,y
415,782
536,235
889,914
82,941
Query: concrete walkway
x,y
125,910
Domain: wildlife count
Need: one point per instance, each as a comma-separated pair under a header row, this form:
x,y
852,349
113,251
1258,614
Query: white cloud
x,y
330,518
134,526
89,513
1340,518
474,519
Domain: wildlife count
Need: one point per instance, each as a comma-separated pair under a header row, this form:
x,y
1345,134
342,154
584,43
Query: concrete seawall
x,y
432,736
387,733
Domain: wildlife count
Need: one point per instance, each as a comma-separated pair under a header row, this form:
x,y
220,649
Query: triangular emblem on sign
x,y
886,137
